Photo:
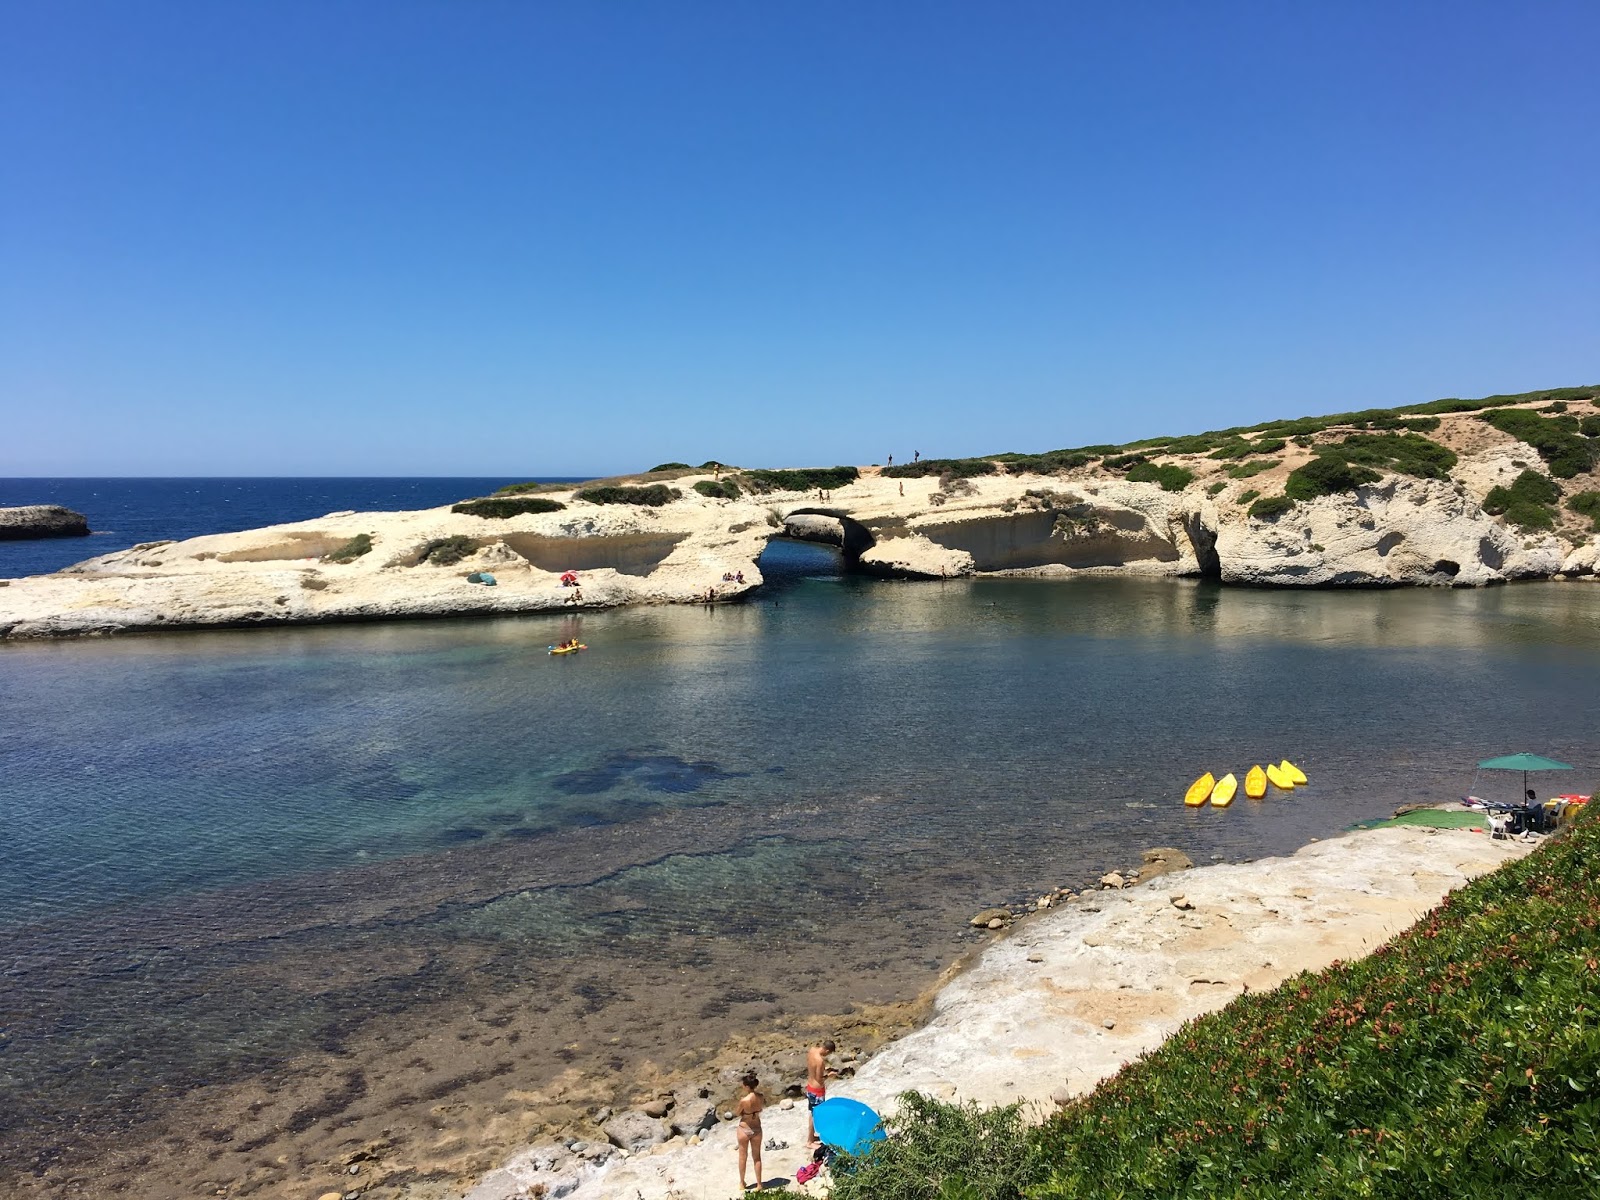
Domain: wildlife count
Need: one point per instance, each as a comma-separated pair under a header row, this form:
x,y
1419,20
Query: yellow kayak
x,y
566,649
1222,794
1281,779
1295,774
1199,791
1255,782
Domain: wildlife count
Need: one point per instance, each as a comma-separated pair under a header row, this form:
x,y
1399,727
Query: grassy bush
x,y
1557,439
1461,1060
1590,427
1247,495
670,467
1268,507
1052,462
1216,487
1408,453
725,489
1586,504
804,479
1326,475
1528,503
507,506
522,489
956,468
653,496
1248,469
945,1152
351,550
1172,478
446,552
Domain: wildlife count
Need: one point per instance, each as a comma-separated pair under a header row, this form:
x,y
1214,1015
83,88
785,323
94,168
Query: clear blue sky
x,y
527,238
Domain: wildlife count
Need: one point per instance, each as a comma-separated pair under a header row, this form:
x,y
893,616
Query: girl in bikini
x,y
749,1129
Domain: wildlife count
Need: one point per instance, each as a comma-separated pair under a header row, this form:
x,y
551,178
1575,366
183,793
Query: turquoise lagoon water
x,y
839,769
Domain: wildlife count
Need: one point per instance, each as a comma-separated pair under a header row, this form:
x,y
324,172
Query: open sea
x,y
265,894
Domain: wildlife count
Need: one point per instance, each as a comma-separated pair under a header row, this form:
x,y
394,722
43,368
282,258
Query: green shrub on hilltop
x,y
1326,475
351,550
1586,504
1528,503
653,496
1460,1060
1171,477
446,552
956,468
521,489
1052,462
723,489
1408,453
507,506
1557,439
1590,427
1247,469
802,479
672,466
1268,507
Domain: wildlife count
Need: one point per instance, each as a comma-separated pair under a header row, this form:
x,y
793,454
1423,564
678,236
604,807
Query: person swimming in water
x,y
748,1131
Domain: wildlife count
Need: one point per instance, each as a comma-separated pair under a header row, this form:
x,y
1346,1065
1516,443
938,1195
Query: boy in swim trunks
x,y
817,1072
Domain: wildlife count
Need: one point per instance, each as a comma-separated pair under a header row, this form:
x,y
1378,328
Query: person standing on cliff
x,y
891,460
817,1072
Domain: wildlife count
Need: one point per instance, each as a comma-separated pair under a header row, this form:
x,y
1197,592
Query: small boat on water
x,y
1280,778
1255,782
1200,790
567,649
1295,774
1222,794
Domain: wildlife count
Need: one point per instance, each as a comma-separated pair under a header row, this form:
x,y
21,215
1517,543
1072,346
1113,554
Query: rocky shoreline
x,y
1057,1001
686,537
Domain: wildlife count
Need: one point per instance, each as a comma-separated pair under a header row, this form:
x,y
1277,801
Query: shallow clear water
x,y
700,783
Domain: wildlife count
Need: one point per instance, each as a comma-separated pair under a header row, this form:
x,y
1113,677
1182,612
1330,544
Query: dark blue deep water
x,y
125,512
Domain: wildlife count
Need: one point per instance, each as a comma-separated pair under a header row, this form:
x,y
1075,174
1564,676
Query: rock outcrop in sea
x,y
41,521
1485,511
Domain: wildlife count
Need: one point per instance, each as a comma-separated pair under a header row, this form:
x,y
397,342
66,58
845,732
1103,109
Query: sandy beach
x,y
1066,997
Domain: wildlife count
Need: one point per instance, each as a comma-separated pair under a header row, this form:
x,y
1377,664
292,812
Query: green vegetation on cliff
x,y
507,506
1460,1060
653,496
724,489
1586,504
351,550
800,479
1558,439
1528,503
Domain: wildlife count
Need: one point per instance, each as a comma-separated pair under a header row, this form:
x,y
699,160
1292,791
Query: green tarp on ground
x,y
1434,818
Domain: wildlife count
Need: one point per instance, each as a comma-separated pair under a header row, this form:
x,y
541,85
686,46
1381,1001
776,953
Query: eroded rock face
x,y
1399,532
41,521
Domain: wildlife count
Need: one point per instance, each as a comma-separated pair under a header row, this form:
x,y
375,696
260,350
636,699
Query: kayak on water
x,y
567,649
1222,794
1255,782
1281,779
1200,790
1295,774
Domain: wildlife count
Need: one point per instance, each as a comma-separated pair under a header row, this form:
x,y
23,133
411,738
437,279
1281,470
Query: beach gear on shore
x,y
847,1125
1295,774
1222,794
1255,782
1523,762
481,577
1200,790
1280,778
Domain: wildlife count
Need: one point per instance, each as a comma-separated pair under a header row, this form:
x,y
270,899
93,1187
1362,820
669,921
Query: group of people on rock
x,y
748,1110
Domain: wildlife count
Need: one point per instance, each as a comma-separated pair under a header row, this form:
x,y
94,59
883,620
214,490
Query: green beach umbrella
x,y
1523,762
